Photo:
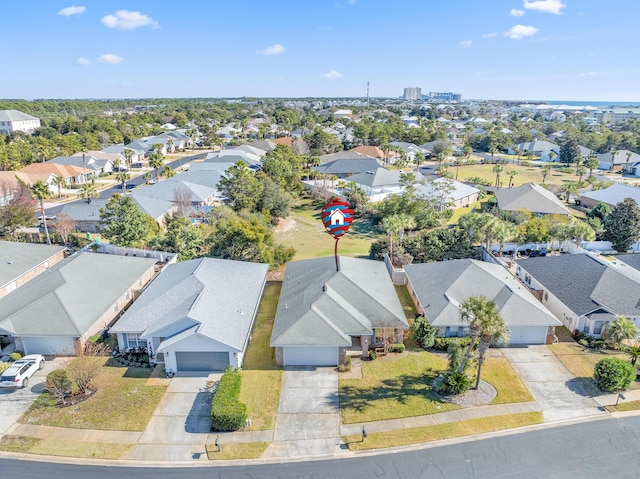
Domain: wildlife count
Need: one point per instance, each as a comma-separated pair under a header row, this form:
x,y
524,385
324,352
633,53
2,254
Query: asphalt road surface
x,y
598,449
135,181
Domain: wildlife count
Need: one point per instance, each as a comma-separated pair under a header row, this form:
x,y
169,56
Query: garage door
x,y
49,345
310,356
201,361
528,335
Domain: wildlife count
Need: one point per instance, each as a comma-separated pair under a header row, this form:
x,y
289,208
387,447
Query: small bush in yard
x,y
423,333
372,354
58,384
346,366
227,412
3,367
442,344
15,356
613,374
454,383
397,348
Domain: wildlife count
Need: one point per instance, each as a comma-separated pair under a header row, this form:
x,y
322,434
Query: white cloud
x,y
110,58
490,35
276,49
352,2
590,74
520,31
517,13
68,11
126,20
545,6
332,74
465,43
83,61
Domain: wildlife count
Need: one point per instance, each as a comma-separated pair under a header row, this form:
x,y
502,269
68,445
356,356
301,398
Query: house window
x,y
546,296
133,341
598,327
527,278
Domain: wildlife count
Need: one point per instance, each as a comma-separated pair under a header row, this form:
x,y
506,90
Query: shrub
x,y
372,354
397,348
613,374
583,342
423,333
454,383
442,344
346,366
95,338
58,384
456,356
3,367
15,356
227,412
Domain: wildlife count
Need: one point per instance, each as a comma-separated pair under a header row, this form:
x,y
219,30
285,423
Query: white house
x,y
14,120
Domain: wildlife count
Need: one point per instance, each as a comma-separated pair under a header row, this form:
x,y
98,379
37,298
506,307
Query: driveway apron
x,y
308,420
558,393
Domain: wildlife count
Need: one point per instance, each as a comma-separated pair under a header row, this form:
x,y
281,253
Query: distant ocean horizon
x,y
596,104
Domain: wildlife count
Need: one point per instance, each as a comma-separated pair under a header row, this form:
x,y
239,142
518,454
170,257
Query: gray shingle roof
x,y
349,166
530,197
441,287
71,296
18,258
378,177
570,277
219,296
321,306
614,194
15,115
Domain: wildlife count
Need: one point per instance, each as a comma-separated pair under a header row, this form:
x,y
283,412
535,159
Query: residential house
x,y
234,155
342,114
196,315
410,149
71,301
14,120
581,291
137,155
439,289
530,197
71,174
611,196
324,310
379,183
10,181
373,152
541,148
105,161
346,168
89,162
446,193
21,262
200,183
618,160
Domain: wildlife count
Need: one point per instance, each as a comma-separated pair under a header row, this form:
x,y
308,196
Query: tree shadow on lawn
x,y
400,389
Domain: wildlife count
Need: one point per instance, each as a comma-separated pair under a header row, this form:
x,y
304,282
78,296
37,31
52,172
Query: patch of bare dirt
x,y
284,225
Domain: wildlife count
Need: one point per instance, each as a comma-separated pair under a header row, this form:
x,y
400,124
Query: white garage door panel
x,y
201,361
528,335
310,356
49,345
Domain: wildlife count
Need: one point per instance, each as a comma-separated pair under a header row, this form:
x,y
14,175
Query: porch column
x,y
364,343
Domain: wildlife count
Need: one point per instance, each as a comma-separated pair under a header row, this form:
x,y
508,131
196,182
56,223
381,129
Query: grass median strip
x,y
260,391
243,450
404,437
63,447
624,406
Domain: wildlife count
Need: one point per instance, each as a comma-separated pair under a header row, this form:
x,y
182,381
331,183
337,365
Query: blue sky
x,y
484,49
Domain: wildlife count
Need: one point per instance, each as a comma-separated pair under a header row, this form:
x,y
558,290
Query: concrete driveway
x,y
181,424
14,402
308,420
558,393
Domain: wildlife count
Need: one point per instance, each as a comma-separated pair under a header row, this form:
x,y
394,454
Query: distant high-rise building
x,y
445,96
412,93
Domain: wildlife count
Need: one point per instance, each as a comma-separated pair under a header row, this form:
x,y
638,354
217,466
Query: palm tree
x,y
170,145
168,172
457,163
592,163
497,169
633,352
511,174
487,327
552,155
128,156
395,226
614,152
40,191
626,166
88,191
569,189
147,177
620,329
59,181
546,169
581,172
156,160
123,177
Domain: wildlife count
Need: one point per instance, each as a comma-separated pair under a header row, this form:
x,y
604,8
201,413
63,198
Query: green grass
x,y
259,354
624,406
245,450
122,403
499,373
393,386
525,174
459,212
306,233
410,312
63,447
260,391
439,432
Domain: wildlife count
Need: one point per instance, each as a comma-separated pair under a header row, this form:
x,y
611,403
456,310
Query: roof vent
x,y
324,288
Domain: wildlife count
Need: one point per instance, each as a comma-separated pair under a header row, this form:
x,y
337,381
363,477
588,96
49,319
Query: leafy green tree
x,y
395,225
620,329
423,333
19,211
241,187
487,327
40,191
123,223
58,384
436,245
122,177
613,374
600,211
274,200
185,238
570,151
622,226
284,167
168,172
156,160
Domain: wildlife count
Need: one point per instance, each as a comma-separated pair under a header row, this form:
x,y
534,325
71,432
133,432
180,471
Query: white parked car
x,y
19,373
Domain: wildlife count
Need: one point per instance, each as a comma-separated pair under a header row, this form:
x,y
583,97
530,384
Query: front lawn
x,y
393,386
246,450
63,447
260,391
499,373
403,437
525,174
123,402
304,231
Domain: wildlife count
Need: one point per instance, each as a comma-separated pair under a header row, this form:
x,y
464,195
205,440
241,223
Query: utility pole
x,y
367,95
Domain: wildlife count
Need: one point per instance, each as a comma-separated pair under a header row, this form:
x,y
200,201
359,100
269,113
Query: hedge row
x,y
442,344
227,412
